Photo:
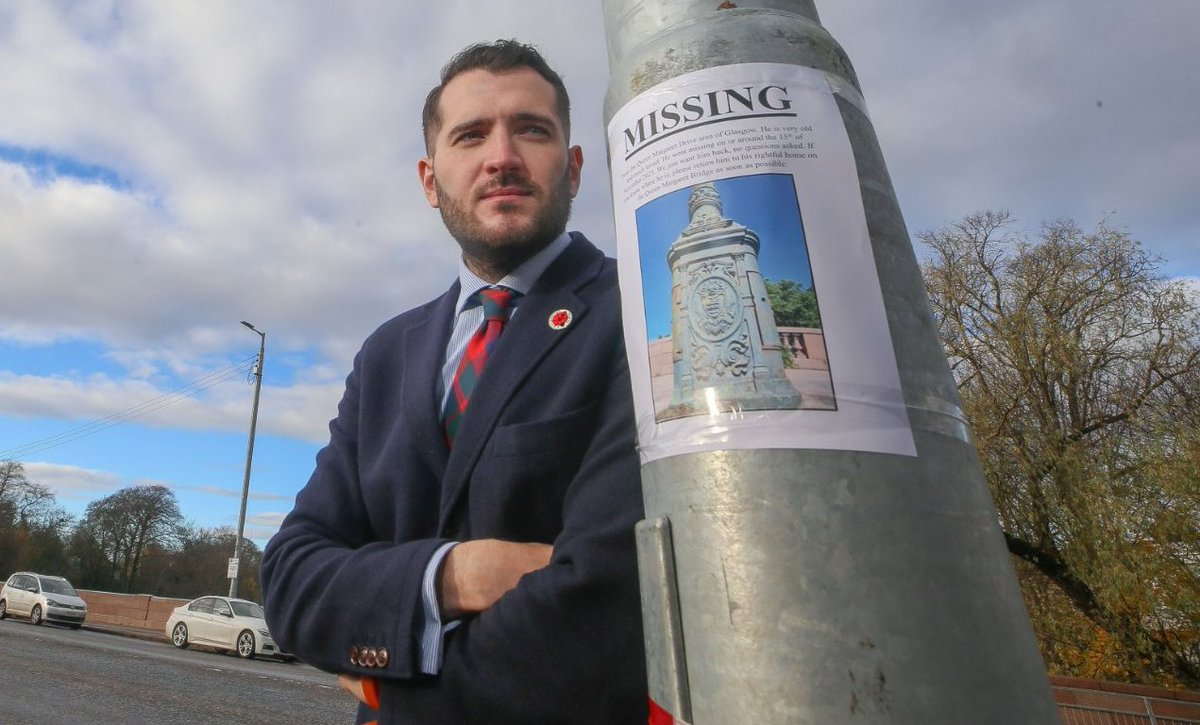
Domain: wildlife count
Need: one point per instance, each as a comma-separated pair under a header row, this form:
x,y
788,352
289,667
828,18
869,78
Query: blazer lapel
x,y
421,373
526,341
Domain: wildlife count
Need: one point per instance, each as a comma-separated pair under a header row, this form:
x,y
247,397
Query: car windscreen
x,y
57,586
247,609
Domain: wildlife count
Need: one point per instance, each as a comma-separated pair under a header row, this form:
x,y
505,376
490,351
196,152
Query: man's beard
x,y
499,252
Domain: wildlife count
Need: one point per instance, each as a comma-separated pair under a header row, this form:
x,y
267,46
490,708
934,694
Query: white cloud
x,y
1038,107
267,518
72,482
263,526
75,486
268,157
100,403
235,493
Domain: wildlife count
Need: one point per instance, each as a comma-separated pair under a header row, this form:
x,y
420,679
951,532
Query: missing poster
x,y
752,306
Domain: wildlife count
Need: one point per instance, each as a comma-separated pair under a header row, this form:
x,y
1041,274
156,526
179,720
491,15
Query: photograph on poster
x,y
732,317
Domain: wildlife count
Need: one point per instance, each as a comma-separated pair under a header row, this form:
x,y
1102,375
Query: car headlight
x,y
265,633
52,602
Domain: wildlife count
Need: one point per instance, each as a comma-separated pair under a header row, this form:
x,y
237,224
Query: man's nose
x,y
503,154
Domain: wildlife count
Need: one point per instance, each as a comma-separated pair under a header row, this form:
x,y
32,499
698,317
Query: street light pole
x,y
237,544
794,566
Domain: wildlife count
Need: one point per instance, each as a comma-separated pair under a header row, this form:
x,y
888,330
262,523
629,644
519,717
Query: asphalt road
x,y
51,675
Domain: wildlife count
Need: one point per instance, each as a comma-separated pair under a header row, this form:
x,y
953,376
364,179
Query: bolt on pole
x,y
820,545
235,564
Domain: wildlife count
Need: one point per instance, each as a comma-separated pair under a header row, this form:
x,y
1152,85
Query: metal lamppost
x,y
237,544
803,583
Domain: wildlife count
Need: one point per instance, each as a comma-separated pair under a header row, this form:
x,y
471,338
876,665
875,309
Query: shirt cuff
x,y
434,632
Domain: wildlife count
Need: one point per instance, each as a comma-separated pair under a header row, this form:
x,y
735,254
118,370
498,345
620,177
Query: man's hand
x,y
354,686
475,574
364,689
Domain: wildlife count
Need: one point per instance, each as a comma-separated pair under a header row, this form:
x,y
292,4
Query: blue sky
x,y
169,169
46,166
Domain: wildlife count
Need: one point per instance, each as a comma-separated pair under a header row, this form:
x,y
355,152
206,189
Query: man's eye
x,y
536,130
468,136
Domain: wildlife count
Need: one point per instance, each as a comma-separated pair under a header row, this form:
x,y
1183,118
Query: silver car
x,y
231,624
42,598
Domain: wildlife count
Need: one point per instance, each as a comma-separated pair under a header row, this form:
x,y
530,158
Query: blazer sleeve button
x,y
368,658
354,655
382,657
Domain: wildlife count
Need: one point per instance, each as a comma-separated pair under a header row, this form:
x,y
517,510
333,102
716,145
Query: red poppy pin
x,y
560,319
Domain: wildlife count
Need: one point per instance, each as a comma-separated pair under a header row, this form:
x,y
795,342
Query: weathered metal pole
x,y
836,559
236,561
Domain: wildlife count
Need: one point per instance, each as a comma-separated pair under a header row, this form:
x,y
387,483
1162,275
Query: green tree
x,y
1079,370
794,305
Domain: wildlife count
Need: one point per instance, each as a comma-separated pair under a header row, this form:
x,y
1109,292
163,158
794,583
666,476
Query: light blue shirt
x,y
466,321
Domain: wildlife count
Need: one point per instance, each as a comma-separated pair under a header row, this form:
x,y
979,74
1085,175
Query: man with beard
x,y
464,551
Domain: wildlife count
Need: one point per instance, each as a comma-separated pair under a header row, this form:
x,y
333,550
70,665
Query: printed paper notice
x,y
752,306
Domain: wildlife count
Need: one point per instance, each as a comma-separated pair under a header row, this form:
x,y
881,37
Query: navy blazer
x,y
545,453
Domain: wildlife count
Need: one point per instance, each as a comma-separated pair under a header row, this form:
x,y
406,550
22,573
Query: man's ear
x,y
574,168
428,180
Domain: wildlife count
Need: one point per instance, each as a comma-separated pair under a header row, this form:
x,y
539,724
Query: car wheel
x,y
245,644
179,636
35,615
3,609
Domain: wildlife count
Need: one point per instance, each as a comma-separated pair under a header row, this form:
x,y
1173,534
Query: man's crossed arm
x,y
473,577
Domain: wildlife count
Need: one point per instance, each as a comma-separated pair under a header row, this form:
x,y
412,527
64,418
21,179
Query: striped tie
x,y
495,301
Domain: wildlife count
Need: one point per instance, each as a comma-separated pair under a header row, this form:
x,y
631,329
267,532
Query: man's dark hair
x,y
498,57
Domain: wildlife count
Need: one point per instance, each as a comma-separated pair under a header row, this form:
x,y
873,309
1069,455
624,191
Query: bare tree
x,y
122,527
31,522
1079,370
199,565
18,495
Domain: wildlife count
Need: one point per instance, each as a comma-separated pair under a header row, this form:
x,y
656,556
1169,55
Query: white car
x,y
230,624
42,598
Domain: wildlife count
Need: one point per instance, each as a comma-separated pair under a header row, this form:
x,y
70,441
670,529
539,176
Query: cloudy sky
x,y
171,167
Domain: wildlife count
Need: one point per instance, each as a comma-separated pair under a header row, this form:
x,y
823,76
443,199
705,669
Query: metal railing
x,y
1080,715
1121,709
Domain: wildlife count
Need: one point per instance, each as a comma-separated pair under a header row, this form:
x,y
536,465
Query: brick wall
x,y
129,610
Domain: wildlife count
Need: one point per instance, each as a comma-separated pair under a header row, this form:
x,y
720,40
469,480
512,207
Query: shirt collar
x,y
520,279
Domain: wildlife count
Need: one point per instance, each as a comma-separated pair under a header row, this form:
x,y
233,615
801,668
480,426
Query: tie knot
x,y
495,301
